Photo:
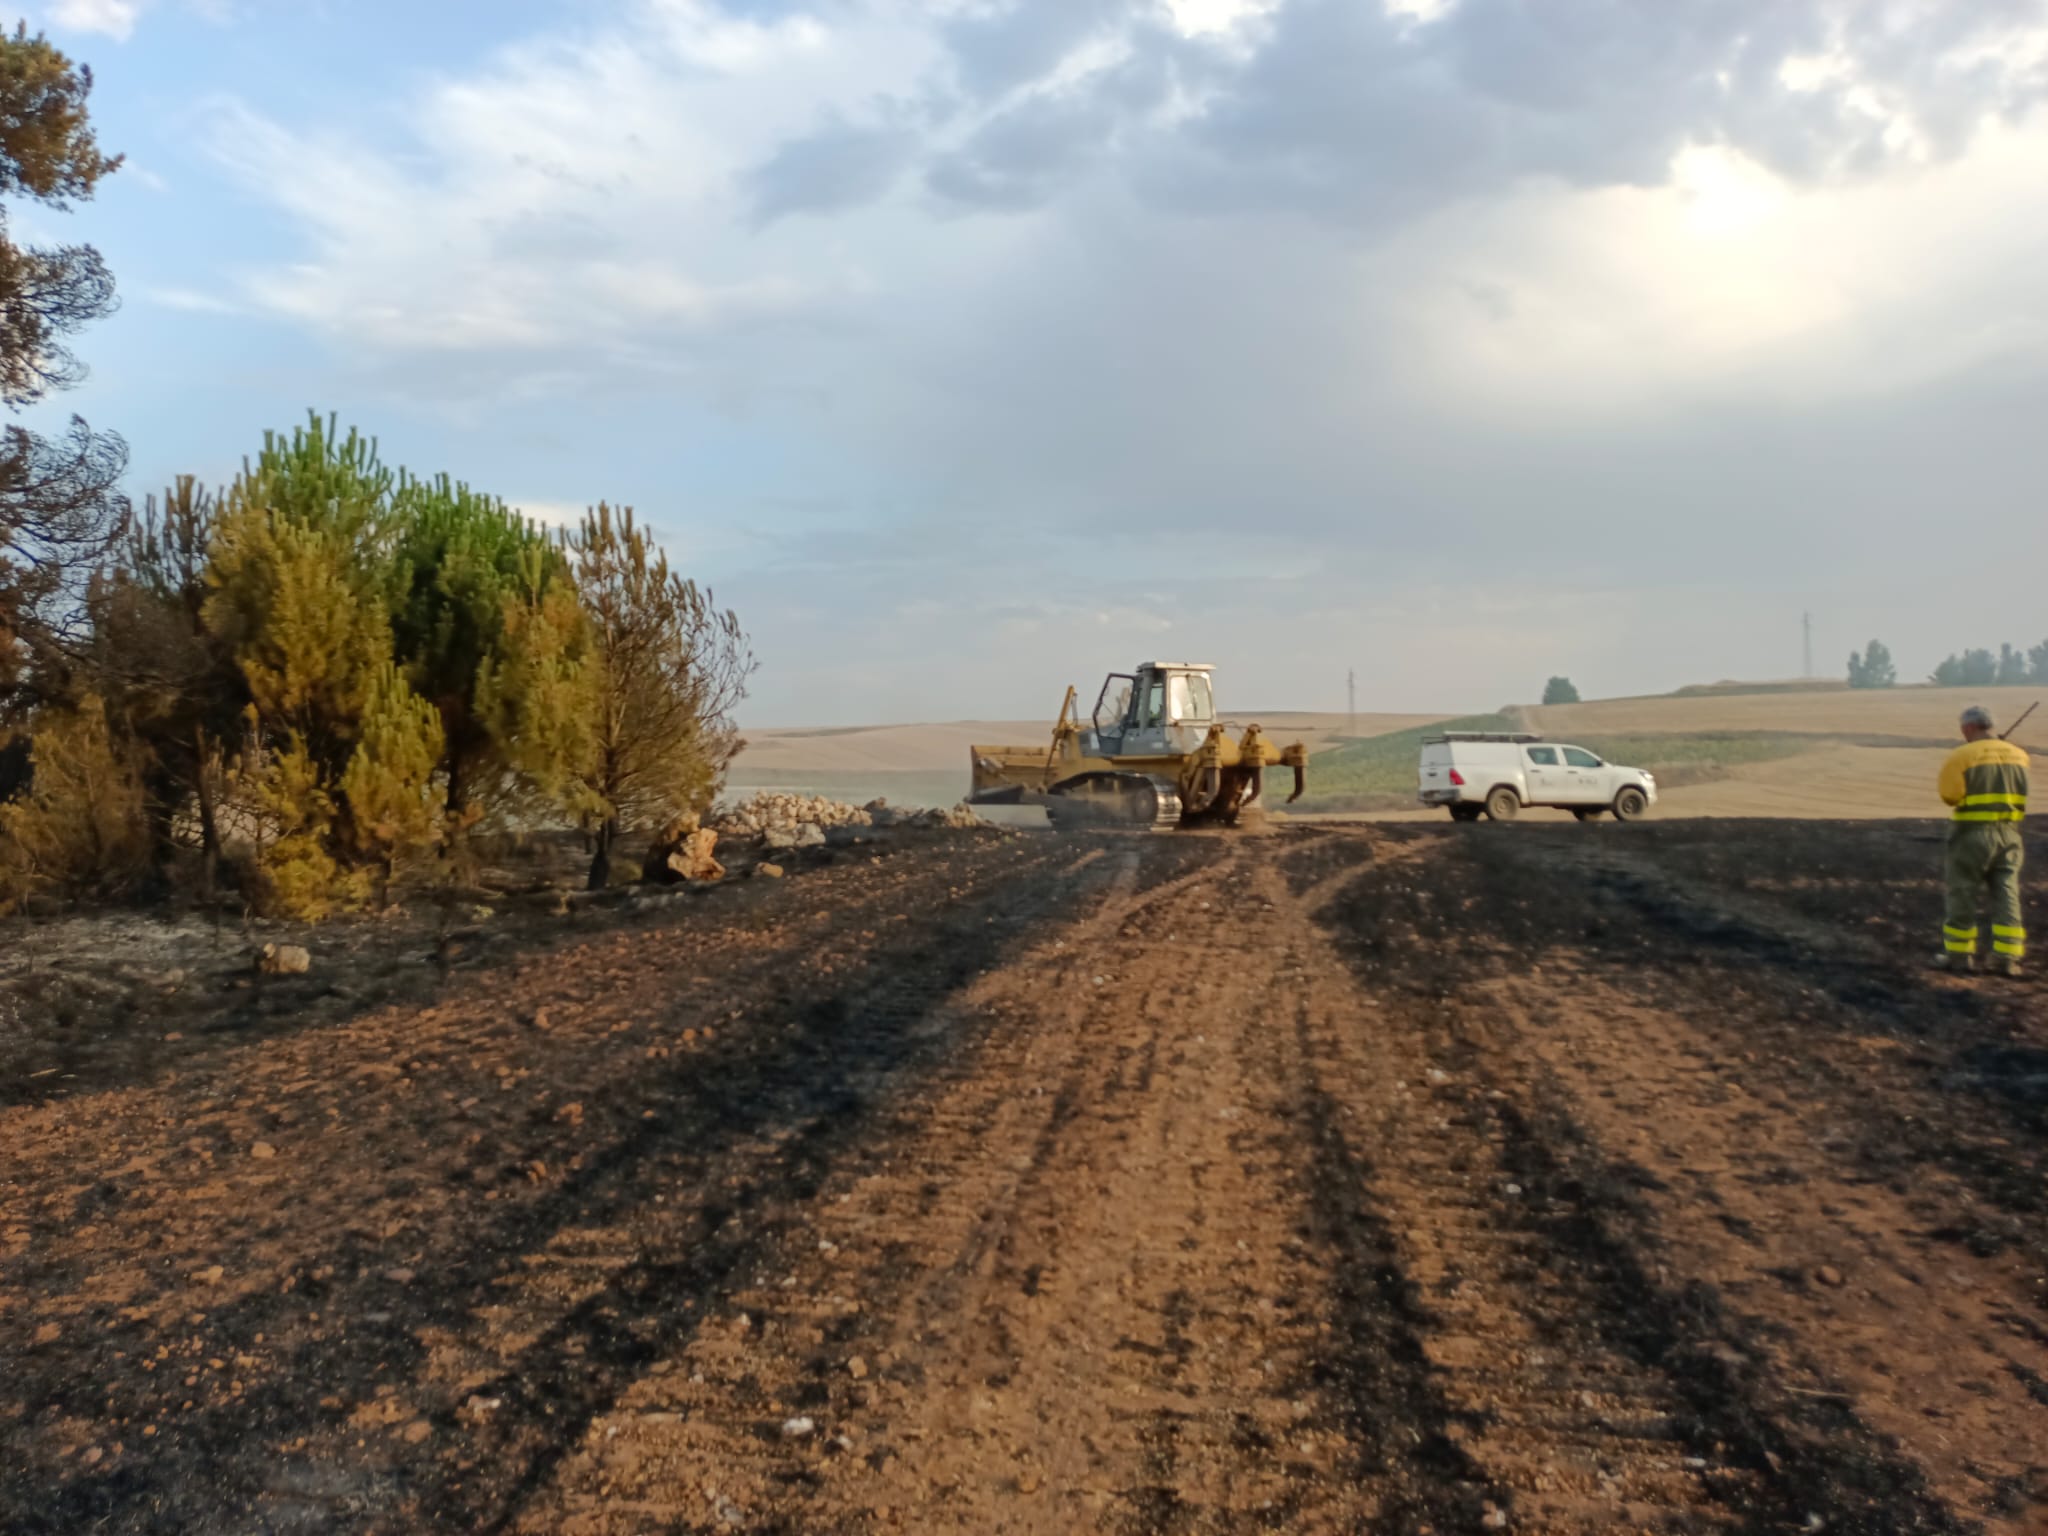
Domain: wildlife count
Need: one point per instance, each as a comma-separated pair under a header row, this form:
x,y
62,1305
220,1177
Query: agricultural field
x,y
1717,752
1905,715
1378,774
926,765
1330,1179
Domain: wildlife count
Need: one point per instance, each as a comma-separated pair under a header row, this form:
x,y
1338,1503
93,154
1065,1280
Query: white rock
x,y
797,1428
283,960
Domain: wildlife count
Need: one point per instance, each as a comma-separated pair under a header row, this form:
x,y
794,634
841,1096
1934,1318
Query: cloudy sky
x,y
971,347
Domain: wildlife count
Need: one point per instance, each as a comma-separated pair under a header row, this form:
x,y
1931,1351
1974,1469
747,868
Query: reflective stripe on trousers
x,y
1983,864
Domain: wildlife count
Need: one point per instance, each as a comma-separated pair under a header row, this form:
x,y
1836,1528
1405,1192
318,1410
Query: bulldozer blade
x,y
1008,794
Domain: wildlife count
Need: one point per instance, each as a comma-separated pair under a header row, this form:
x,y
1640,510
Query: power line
x,y
1807,620
1351,689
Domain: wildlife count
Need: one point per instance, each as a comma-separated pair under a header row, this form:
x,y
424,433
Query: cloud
x,y
1324,314
191,301
552,514
584,205
1354,112
112,18
829,170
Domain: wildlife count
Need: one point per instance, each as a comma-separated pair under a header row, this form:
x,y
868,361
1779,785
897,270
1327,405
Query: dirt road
x,y
1403,1179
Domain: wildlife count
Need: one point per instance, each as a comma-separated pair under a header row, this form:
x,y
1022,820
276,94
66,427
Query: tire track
x,y
1063,1296
335,1410
1597,1386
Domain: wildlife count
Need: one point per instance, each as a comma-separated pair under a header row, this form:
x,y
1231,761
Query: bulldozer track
x,y
1316,1182
1103,800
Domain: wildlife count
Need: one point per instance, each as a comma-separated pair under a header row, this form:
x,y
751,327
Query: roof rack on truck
x,y
1481,736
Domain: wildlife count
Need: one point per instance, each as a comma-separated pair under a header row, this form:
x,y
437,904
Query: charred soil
x,y
1417,1179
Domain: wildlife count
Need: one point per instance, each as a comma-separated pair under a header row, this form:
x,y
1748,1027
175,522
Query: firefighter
x,y
1985,780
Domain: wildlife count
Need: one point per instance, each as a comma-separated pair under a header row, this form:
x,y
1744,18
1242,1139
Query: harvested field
x,y
1904,714
926,765
1374,1178
1827,781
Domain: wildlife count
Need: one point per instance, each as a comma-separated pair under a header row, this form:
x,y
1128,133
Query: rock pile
x,y
882,814
784,821
683,852
770,812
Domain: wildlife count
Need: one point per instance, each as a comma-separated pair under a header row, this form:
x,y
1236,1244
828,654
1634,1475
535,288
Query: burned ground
x,y
1398,1179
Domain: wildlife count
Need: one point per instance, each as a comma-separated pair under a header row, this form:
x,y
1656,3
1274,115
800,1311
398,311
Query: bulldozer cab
x,y
1162,709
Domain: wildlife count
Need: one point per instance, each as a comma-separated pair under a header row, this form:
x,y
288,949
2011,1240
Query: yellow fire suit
x,y
1986,783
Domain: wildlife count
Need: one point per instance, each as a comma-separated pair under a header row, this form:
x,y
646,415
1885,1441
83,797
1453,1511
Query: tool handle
x,y
2007,733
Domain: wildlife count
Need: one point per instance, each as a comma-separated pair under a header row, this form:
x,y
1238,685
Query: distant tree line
x,y
1872,668
2010,667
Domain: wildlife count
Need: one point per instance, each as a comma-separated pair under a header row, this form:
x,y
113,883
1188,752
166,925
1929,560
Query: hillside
x,y
1906,714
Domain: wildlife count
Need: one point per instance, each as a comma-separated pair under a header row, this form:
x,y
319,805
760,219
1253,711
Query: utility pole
x,y
1351,689
1808,622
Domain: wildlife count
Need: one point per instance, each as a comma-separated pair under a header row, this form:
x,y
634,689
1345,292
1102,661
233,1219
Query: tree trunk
x,y
209,821
601,861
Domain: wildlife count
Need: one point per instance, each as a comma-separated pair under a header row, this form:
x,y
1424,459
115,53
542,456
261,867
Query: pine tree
x,y
80,826
299,576
61,506
537,697
2037,663
173,684
670,666
2012,666
459,556
393,805
307,638
289,801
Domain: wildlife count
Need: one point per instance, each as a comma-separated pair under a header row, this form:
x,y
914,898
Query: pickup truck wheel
x,y
1593,814
1630,804
1465,813
1502,804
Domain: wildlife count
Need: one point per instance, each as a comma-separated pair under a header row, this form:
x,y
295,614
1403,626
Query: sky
x,y
969,348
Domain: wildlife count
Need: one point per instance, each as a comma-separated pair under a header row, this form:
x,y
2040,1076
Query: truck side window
x,y
1543,757
1577,757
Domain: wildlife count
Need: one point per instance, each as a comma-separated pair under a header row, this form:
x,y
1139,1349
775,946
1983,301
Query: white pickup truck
x,y
1471,773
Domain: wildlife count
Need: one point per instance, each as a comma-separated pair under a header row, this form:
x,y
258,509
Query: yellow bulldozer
x,y
1153,754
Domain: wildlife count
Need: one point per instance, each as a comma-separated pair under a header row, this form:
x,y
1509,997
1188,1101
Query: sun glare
x,y
1726,195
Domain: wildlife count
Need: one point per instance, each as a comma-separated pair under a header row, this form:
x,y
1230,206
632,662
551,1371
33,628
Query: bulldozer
x,y
1153,754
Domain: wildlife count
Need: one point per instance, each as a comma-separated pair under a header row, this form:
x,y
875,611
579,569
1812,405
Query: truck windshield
x,y
1188,698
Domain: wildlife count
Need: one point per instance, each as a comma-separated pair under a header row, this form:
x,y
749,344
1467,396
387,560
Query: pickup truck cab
x,y
1473,773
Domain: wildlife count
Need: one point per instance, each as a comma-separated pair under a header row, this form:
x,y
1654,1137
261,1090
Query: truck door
x,y
1550,782
1145,734
1590,777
